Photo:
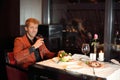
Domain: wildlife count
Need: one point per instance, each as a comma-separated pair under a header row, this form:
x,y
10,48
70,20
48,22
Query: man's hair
x,y
31,20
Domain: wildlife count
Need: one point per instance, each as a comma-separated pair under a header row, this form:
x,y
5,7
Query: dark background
x,y
9,29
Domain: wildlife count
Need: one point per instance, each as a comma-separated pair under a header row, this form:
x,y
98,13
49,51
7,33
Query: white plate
x,y
80,56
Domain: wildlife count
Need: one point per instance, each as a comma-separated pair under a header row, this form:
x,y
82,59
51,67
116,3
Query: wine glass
x,y
40,36
85,48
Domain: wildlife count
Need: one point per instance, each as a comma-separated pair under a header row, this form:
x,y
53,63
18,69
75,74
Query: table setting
x,y
82,64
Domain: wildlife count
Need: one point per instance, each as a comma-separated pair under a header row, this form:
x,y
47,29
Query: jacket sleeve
x,y
21,52
45,52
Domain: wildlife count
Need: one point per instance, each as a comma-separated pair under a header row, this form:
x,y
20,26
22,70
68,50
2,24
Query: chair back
x,y
10,58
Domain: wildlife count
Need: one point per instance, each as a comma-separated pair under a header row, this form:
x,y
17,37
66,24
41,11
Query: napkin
x,y
115,61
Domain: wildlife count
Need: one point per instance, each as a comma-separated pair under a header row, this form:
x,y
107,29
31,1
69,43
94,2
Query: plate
x,y
56,59
80,56
94,64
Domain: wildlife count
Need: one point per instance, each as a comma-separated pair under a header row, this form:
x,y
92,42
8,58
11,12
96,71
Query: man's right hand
x,y
38,43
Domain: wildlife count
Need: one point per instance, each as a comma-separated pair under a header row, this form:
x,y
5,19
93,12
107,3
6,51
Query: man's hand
x,y
38,43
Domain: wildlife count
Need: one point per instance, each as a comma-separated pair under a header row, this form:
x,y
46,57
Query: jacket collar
x,y
26,41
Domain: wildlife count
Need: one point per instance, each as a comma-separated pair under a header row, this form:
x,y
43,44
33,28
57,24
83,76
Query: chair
x,y
14,72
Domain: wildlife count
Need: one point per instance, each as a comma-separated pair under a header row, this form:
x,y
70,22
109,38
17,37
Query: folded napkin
x,y
115,61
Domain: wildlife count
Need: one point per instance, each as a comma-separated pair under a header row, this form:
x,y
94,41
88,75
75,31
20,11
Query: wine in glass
x,y
85,48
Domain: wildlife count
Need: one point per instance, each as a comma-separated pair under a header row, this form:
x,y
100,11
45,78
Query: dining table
x,y
76,69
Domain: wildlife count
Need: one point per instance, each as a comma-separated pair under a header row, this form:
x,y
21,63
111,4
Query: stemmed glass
x,y
40,36
85,48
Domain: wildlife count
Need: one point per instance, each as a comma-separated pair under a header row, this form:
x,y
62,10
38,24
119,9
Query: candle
x,y
101,56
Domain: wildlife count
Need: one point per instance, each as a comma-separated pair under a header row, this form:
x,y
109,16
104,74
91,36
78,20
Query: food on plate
x,y
64,56
62,53
94,64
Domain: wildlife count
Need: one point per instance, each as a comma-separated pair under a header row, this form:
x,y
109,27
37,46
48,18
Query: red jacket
x,y
22,54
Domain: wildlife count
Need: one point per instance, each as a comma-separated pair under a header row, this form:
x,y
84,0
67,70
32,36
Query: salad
x,y
64,56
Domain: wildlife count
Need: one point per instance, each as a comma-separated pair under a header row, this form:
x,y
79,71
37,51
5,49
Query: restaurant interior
x,y
65,25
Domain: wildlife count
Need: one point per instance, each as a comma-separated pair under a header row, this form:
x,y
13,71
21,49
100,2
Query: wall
x,y
30,8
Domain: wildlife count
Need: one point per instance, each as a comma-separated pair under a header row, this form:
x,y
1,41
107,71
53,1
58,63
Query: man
x,y
30,48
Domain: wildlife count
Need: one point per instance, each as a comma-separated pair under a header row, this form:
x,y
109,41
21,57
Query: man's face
x,y
32,30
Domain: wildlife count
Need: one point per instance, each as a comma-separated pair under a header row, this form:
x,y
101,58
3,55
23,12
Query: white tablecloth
x,y
107,70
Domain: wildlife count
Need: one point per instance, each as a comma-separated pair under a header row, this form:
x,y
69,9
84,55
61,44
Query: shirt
x,y
36,51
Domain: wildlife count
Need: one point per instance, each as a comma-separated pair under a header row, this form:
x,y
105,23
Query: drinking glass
x,y
85,48
39,35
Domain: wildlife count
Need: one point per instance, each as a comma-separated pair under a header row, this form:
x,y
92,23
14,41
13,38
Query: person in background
x,y
30,48
84,36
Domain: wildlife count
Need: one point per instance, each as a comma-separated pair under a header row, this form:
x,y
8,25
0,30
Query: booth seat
x,y
14,72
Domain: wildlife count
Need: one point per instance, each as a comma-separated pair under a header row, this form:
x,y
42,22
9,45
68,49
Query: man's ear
x,y
25,28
